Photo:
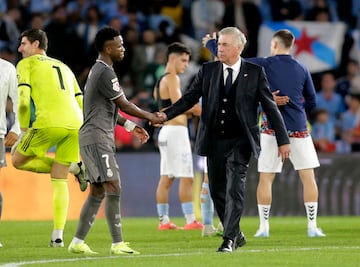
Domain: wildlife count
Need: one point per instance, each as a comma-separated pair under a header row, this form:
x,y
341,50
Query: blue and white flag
x,y
317,44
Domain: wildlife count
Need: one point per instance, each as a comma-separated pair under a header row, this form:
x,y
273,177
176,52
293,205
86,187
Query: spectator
x,y
129,15
115,22
343,84
3,6
323,132
9,33
322,10
37,21
7,54
246,16
155,18
174,10
76,10
187,24
279,10
88,28
43,6
144,54
63,41
206,16
154,70
107,8
328,99
349,125
131,39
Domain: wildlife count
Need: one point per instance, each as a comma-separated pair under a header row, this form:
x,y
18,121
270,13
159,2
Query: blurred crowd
x,y
149,26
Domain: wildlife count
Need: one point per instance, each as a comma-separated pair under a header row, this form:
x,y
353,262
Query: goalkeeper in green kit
x,y
51,87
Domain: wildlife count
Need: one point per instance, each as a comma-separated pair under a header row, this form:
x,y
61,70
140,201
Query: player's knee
x,y
16,162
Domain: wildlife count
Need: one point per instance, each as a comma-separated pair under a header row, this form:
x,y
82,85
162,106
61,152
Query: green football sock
x,y
60,202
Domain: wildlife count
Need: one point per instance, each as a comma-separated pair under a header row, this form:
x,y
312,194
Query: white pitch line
x,y
17,264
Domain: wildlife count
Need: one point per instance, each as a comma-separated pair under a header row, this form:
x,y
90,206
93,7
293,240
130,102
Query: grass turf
x,y
25,244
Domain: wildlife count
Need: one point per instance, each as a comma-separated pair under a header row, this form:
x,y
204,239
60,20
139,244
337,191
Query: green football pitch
x,y
25,244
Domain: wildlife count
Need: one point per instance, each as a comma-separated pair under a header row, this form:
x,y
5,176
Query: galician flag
x,y
317,44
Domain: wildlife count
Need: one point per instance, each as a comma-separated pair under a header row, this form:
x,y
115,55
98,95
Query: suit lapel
x,y
215,80
242,76
242,90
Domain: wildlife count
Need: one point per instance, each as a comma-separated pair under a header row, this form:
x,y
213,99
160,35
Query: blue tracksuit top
x,y
293,79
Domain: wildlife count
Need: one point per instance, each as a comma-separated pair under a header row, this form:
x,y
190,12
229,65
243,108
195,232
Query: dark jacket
x,y
252,89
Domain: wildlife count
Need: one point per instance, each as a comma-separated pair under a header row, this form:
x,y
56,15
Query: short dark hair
x,y
36,35
177,48
104,35
286,37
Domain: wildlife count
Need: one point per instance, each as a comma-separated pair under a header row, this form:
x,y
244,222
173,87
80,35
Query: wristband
x,y
129,125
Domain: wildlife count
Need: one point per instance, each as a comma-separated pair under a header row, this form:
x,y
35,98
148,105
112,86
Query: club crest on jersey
x,y
116,85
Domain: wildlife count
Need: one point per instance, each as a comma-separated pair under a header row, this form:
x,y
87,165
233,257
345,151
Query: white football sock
x,y
264,214
311,213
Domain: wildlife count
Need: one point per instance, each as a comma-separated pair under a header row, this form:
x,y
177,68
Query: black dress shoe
x,y
226,246
240,240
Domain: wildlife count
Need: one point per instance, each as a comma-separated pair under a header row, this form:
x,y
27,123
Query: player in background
x,y
52,87
294,93
8,89
174,143
103,97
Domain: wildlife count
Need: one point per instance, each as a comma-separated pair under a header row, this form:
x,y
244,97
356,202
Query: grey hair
x,y
238,36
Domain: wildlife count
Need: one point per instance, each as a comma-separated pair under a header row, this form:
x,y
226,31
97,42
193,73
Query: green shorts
x,y
37,142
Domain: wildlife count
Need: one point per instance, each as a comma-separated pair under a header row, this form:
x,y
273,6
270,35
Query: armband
x,y
129,125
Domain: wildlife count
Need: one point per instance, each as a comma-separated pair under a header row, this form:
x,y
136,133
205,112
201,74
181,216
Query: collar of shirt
x,y
100,61
235,68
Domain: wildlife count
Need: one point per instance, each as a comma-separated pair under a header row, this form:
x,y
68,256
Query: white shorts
x,y
175,152
302,155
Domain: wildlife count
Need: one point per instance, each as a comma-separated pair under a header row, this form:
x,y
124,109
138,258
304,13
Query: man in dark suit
x,y
228,130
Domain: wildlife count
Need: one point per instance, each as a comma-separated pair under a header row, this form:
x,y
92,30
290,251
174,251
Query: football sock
x,y
163,212
311,213
74,168
117,243
264,214
39,165
207,206
76,241
87,216
188,210
57,233
60,203
113,217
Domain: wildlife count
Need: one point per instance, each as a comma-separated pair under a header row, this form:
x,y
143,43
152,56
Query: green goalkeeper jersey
x,y
54,90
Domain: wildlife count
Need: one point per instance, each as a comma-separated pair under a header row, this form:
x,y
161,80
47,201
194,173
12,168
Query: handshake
x,y
157,119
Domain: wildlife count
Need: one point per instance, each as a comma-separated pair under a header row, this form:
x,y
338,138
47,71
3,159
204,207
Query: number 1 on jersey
x,y
60,77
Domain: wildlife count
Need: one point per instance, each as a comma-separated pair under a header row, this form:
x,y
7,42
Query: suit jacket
x,y
252,89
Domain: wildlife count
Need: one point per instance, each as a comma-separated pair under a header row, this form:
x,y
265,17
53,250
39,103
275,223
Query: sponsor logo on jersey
x,y
116,85
109,173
